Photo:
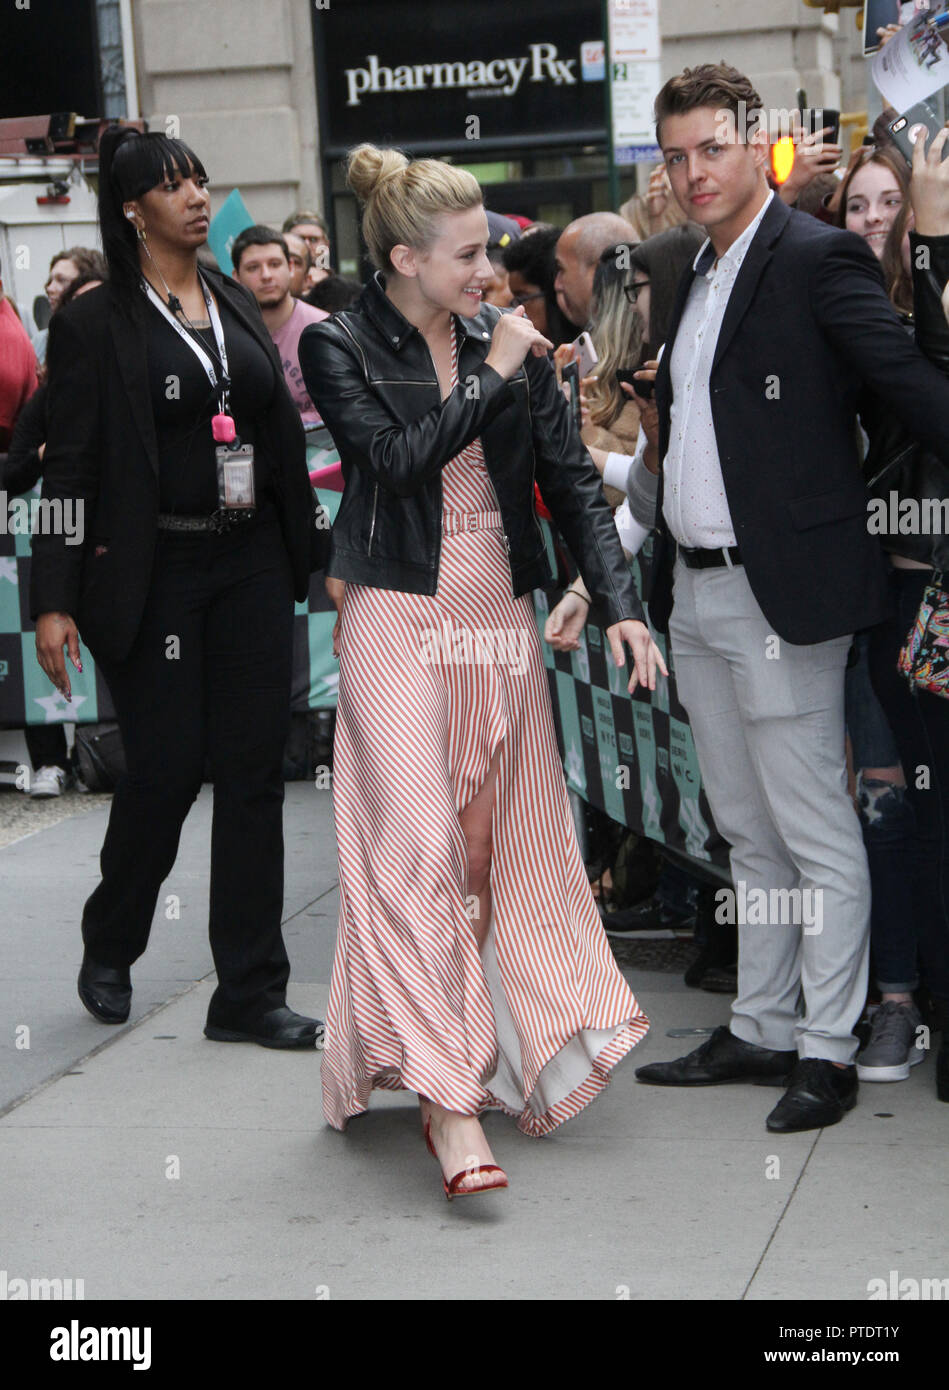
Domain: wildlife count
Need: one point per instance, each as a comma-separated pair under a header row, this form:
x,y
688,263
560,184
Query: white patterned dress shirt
x,y
694,503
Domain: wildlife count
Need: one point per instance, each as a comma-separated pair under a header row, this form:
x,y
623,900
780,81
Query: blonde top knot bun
x,y
405,211
367,166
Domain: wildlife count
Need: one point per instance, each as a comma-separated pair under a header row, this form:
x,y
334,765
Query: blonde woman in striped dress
x,y
471,966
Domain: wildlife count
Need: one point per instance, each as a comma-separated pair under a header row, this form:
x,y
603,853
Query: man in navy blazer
x,y
763,569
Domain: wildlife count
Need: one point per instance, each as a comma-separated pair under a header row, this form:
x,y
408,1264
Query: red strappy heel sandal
x,y
453,1188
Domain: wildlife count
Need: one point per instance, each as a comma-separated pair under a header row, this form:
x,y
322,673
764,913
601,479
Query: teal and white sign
x,y
226,226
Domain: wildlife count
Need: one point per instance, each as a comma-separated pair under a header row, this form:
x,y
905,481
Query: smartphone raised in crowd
x,y
628,374
585,353
642,387
815,118
570,379
920,120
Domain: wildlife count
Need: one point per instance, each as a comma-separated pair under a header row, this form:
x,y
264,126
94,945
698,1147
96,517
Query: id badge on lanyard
x,y
235,476
235,467
234,461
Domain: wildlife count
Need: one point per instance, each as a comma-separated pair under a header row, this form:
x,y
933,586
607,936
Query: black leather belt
x,y
709,559
224,519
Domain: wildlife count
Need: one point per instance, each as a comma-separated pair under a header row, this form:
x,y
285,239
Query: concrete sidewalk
x,y
151,1163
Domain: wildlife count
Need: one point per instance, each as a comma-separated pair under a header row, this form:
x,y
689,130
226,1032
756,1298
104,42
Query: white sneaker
x,y
49,781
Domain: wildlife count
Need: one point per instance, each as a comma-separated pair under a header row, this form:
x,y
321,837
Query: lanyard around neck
x,y
195,344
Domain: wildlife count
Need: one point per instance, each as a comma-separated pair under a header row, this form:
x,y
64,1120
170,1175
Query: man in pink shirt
x,y
18,367
262,264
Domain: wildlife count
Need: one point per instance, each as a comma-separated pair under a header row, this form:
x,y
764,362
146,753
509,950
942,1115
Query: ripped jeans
x,y
889,827
920,723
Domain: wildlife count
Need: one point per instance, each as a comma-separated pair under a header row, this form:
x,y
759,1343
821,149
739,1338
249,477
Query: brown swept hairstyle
x,y
710,84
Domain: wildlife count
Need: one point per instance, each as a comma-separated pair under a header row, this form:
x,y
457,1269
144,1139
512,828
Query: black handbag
x,y
99,755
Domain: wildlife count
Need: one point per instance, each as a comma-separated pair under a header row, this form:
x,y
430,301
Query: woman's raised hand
x,y
563,354
929,185
648,412
513,338
658,192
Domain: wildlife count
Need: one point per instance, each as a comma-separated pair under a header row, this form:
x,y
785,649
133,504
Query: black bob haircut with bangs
x,y
131,164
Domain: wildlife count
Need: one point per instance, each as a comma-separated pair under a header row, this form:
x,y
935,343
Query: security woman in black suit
x,y
184,586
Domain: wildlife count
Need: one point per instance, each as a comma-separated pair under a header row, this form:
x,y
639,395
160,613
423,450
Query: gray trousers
x,y
768,723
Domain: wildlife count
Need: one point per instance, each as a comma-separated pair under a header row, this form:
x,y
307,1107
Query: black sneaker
x,y
651,915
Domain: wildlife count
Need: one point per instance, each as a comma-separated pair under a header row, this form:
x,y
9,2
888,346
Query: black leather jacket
x,y
371,375
896,463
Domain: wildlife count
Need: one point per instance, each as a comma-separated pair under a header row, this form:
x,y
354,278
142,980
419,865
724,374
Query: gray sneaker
x,y
892,1048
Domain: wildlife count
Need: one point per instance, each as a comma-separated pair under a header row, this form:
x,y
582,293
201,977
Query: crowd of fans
x,y
614,276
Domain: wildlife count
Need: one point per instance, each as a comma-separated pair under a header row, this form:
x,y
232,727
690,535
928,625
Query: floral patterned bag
x,y
924,658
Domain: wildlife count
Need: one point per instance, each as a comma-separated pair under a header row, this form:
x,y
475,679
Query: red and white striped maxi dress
x,y
429,686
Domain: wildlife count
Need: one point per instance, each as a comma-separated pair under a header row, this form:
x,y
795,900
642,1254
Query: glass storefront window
x,y
498,171
555,187
570,164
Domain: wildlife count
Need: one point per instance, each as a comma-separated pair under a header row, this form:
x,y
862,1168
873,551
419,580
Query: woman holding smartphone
x,y
471,966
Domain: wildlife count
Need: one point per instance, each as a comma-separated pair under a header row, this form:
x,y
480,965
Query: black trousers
x,y
920,724
208,674
46,745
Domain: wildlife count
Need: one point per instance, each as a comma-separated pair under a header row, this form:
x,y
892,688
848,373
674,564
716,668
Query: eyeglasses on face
x,y
520,299
632,292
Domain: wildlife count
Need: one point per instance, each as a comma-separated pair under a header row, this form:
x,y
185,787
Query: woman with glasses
x,y
656,269
531,268
618,334
611,422
311,229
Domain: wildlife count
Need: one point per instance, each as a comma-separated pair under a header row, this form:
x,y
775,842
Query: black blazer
x,y
101,448
807,324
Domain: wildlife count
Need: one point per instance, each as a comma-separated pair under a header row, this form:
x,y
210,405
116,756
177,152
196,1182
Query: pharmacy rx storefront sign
x,y
529,76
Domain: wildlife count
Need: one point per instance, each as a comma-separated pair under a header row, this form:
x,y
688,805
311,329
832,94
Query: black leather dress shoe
x,y
721,1058
279,1027
105,990
820,1094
